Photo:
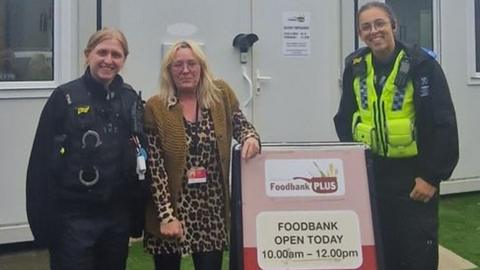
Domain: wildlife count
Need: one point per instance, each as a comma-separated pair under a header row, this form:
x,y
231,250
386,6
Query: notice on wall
x,y
296,34
308,240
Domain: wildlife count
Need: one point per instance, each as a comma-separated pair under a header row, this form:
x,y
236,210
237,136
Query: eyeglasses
x,y
180,65
377,25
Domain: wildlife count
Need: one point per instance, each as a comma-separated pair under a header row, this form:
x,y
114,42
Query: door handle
x,y
259,79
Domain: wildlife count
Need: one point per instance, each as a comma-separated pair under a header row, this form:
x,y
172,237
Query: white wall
x,y
17,118
20,108
455,25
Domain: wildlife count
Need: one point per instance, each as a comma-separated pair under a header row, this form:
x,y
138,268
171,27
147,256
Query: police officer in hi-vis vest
x,y
396,100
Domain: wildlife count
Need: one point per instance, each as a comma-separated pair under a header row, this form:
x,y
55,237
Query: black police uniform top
x,y
82,153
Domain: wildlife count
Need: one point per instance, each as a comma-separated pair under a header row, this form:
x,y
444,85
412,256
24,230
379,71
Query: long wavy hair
x,y
207,93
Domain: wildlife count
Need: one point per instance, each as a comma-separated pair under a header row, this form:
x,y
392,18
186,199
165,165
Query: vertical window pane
x,y
26,40
415,21
477,35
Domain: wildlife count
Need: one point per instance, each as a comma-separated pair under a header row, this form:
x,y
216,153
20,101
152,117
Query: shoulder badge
x,y
83,109
424,86
356,60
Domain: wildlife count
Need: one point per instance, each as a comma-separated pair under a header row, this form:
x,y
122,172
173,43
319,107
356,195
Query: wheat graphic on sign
x,y
322,182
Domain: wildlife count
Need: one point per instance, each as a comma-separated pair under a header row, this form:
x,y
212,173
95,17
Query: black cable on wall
x,y
355,9
99,14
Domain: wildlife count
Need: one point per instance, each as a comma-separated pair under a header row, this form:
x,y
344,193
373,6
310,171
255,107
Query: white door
x,y
298,58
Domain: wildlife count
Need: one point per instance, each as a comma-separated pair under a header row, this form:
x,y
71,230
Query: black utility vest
x,y
98,156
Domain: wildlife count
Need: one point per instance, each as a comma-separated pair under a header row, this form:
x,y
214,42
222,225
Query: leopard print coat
x,y
200,207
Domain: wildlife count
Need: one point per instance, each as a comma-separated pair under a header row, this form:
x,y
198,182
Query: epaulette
x,y
359,67
403,72
419,54
129,87
357,61
356,54
130,92
431,53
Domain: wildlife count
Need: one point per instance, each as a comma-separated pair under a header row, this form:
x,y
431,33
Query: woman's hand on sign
x,y
250,148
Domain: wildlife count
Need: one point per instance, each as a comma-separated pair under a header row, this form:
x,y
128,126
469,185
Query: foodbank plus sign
x,y
304,177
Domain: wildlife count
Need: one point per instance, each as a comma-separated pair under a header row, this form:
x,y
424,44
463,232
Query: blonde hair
x,y
103,34
207,92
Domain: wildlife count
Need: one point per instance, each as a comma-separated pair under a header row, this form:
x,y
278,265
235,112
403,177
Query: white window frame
x,y
437,48
64,34
437,38
473,74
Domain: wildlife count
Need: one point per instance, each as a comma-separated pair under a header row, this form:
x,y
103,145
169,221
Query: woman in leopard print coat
x,y
190,125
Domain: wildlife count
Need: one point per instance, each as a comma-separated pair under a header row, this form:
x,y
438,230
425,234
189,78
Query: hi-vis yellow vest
x,y
385,123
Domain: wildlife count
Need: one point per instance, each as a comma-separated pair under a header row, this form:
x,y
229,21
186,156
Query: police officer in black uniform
x,y
86,165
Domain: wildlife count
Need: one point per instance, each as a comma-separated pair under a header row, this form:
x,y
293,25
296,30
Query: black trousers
x,y
409,229
211,260
91,239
